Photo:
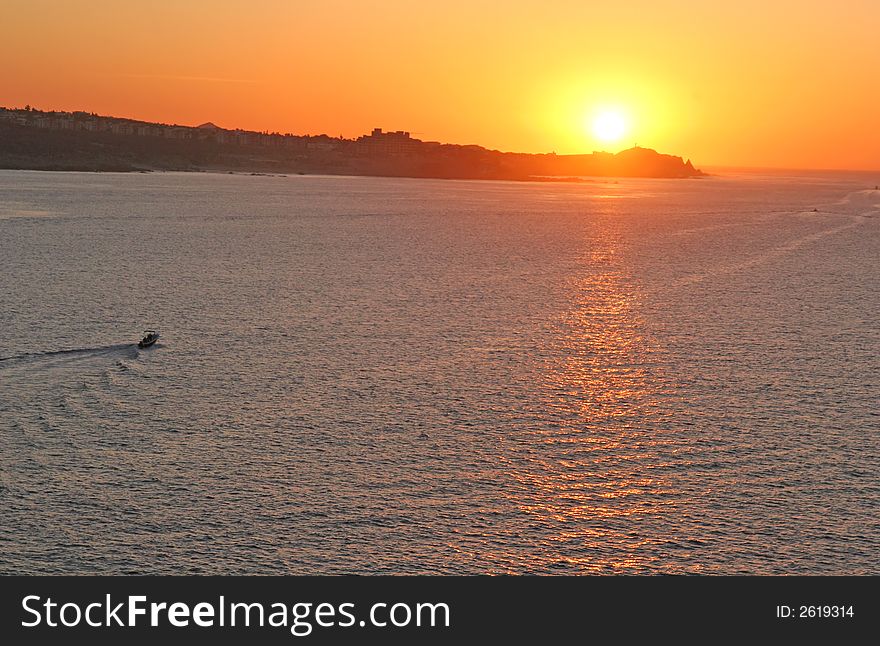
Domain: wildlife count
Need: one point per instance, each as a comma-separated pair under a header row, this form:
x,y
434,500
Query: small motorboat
x,y
150,337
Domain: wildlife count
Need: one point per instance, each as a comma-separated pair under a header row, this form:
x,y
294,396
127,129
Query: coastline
x,y
538,179
53,141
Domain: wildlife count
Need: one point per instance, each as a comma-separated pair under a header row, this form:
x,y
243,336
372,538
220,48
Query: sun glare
x,y
609,126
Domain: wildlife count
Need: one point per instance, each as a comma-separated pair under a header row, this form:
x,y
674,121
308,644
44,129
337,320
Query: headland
x,y
81,141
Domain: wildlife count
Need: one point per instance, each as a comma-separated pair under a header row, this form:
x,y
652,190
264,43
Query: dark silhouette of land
x,y
38,140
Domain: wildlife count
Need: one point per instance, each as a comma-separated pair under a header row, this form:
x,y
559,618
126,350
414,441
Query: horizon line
x,y
290,134
724,166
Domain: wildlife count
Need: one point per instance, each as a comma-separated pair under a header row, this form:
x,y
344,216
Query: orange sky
x,y
778,83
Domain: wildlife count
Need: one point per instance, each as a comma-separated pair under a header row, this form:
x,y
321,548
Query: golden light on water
x,y
609,467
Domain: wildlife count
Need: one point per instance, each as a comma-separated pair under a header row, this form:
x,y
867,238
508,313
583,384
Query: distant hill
x,y
34,139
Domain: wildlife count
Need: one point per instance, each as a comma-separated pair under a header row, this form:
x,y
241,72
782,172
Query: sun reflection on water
x,y
599,483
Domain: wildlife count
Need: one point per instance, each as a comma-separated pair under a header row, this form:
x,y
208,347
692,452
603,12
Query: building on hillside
x,y
208,131
387,143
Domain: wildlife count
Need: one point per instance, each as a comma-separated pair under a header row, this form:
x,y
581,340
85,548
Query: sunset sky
x,y
777,83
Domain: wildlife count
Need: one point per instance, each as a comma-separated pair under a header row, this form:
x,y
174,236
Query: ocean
x,y
401,376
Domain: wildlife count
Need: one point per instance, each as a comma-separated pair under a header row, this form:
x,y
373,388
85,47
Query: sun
x,y
609,126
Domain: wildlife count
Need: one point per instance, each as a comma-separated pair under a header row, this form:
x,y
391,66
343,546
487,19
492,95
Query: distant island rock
x,y
38,140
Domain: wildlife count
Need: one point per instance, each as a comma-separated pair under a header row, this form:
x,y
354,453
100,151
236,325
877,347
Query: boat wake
x,y
865,203
121,350
852,211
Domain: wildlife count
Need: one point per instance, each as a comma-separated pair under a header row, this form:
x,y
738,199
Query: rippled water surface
x,y
366,375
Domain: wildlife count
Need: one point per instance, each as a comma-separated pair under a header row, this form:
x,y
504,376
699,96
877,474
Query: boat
x,y
150,337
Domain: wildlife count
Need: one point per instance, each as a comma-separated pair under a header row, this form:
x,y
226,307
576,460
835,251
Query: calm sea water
x,y
365,375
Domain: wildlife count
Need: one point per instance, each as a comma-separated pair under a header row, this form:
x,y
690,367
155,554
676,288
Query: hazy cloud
x,y
174,77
